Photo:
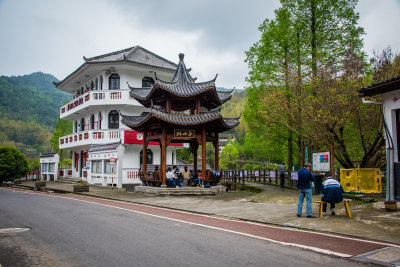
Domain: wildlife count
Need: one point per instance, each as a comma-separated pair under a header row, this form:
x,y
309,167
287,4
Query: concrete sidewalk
x,y
272,206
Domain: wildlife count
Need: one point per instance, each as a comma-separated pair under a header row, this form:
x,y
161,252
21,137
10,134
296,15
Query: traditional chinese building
x,y
181,111
105,151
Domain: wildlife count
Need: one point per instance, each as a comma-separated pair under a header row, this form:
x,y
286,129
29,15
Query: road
x,y
70,230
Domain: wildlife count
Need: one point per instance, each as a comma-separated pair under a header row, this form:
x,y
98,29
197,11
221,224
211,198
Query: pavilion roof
x,y
211,119
182,86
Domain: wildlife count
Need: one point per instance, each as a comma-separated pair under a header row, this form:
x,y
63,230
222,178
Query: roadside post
x,y
112,163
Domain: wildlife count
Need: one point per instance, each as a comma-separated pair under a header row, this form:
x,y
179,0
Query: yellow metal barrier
x,y
348,180
361,180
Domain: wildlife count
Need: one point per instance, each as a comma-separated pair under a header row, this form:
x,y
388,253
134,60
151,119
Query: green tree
x,y
62,128
13,164
185,154
309,88
65,164
229,157
34,165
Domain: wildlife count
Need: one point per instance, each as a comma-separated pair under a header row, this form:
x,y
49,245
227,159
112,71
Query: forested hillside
x,y
234,108
29,108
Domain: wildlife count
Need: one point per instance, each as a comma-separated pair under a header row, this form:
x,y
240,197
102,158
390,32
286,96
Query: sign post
x,y
112,163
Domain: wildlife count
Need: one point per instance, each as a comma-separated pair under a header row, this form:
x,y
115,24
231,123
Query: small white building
x,y
49,166
390,91
105,151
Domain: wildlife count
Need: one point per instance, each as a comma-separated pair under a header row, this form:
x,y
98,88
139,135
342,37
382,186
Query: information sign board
x,y
321,161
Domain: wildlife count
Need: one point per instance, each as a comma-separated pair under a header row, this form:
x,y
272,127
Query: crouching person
x,y
331,192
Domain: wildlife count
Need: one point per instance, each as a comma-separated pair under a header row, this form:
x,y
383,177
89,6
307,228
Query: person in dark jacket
x,y
304,186
281,173
331,192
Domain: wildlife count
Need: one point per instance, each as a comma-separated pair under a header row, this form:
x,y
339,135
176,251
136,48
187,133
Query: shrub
x,y
82,183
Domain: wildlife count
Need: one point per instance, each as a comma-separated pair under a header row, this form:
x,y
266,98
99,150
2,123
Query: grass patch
x,y
251,189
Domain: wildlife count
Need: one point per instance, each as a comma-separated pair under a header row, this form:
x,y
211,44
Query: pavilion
x,y
182,111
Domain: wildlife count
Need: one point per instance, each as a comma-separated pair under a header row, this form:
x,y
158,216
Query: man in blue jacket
x,y
304,186
331,192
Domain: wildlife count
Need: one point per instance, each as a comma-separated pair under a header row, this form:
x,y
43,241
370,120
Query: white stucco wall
x,y
391,102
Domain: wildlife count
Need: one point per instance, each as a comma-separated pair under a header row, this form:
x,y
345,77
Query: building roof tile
x,y
380,87
98,148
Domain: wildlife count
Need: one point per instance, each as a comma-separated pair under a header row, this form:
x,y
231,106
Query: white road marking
x,y
13,230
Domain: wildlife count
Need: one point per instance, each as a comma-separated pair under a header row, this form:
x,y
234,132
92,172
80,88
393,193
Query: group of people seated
x,y
185,177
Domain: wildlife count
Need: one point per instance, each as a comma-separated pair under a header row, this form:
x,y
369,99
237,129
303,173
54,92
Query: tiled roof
x,y
98,148
48,155
135,54
380,87
184,86
213,117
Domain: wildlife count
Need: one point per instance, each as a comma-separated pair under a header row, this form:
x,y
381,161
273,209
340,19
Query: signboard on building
x,y
321,161
136,138
184,133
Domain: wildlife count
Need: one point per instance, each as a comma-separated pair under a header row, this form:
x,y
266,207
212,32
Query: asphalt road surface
x,y
42,229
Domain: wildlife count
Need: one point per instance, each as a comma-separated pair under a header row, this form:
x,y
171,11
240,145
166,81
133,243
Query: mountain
x,y
29,108
31,98
234,108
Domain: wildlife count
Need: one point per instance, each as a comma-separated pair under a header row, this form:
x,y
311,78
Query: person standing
x,y
331,192
304,186
186,176
281,173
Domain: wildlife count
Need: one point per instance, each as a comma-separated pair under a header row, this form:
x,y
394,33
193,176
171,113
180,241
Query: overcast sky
x,y
53,36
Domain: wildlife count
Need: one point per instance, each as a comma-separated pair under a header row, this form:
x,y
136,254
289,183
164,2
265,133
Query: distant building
x,y
224,139
49,166
105,151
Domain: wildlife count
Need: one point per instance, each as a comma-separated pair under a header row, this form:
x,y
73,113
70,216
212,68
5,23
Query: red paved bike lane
x,y
339,245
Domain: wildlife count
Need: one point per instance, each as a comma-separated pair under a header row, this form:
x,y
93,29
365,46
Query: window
x,y
149,157
96,166
82,124
76,127
101,82
92,122
44,167
96,84
91,86
113,120
108,168
99,121
114,82
147,82
51,167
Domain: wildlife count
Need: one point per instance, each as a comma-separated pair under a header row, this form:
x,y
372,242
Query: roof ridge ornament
x,y
215,78
181,56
